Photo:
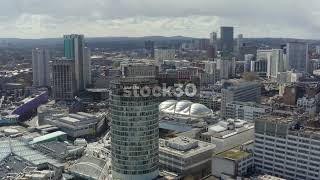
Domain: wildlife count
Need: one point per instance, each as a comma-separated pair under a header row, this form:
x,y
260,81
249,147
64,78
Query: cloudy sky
x,y
194,18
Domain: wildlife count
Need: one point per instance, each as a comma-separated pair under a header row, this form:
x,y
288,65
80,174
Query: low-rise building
x,y
186,156
228,134
234,163
76,125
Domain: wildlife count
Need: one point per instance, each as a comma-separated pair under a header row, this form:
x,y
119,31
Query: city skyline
x,y
48,19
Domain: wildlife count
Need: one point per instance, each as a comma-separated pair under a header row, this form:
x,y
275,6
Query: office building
x,y
212,70
138,70
226,40
239,44
278,63
260,67
74,49
40,67
149,48
248,58
287,149
87,67
64,80
265,55
297,54
227,68
247,111
161,54
239,90
134,128
211,52
213,42
186,157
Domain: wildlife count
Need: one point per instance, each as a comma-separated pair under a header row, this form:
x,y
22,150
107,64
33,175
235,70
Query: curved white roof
x,y
185,108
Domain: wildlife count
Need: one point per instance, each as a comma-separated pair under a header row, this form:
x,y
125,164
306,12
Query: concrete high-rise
x,y
278,63
74,48
134,125
297,55
87,67
213,44
226,40
239,90
226,68
63,79
287,149
40,67
239,44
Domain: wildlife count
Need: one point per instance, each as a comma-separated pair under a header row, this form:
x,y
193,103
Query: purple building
x,y
30,104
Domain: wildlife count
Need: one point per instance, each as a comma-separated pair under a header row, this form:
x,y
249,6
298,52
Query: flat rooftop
x,y
221,131
280,118
70,119
200,148
233,154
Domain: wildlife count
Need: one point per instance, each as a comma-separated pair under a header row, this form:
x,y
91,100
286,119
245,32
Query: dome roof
x,y
168,106
185,108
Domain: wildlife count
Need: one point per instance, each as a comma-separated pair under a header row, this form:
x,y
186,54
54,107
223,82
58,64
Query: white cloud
x,y
196,18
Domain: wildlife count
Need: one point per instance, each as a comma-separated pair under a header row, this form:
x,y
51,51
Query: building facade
x,y
161,54
186,157
297,54
40,67
278,63
74,49
260,67
134,130
247,111
226,40
238,90
284,149
234,163
63,79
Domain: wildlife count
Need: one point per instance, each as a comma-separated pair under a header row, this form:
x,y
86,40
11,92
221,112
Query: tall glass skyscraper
x,y
74,48
226,40
297,56
134,129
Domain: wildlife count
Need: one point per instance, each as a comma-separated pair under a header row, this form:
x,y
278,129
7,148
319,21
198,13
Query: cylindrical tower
x,y
134,130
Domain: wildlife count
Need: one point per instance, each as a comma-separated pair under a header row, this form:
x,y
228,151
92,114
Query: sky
x,y
136,18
